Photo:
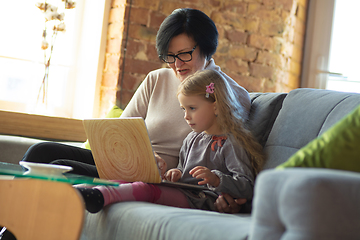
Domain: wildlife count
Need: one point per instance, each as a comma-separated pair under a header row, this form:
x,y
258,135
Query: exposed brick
x,y
117,14
221,30
295,68
293,81
289,35
269,32
113,45
236,65
251,84
281,76
262,71
115,30
287,18
117,3
129,81
141,32
229,18
134,47
151,52
285,4
269,86
272,28
297,55
271,59
244,53
265,42
265,14
111,62
140,66
253,7
110,79
236,36
287,49
167,7
303,3
252,24
220,59
223,49
299,39
301,13
235,6
152,5
215,3
234,20
156,19
139,16
300,27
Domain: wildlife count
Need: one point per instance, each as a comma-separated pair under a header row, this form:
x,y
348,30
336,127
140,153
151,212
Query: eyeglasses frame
x,y
177,56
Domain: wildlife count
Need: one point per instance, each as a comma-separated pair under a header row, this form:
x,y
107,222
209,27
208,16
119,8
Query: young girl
x,y
219,153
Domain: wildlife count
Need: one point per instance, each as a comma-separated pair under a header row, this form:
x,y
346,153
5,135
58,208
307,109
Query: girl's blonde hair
x,y
231,114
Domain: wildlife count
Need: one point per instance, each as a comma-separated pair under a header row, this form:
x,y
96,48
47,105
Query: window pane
x,y
22,59
344,49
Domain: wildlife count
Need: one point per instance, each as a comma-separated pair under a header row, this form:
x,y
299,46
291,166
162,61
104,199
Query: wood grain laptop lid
x,y
122,149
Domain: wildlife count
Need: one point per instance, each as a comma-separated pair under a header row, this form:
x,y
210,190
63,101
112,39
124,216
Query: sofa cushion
x,y
311,204
142,220
337,148
305,114
264,110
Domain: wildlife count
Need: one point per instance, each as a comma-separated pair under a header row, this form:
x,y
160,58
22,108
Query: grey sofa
x,y
288,204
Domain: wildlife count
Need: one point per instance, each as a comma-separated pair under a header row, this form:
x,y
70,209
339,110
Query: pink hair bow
x,y
209,89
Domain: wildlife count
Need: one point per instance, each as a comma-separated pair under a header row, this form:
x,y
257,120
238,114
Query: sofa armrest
x,y
306,204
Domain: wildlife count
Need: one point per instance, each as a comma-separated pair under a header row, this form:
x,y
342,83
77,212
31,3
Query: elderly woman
x,y
186,41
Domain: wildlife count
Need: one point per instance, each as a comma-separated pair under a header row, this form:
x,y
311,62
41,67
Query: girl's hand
x,y
207,176
173,175
161,165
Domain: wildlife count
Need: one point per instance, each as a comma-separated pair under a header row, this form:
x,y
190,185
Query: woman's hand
x,y
207,176
173,175
161,165
227,204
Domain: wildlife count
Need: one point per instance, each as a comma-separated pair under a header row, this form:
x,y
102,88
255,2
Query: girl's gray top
x,y
229,162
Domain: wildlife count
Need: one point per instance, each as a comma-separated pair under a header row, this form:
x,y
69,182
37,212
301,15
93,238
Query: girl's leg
x,y
98,197
144,192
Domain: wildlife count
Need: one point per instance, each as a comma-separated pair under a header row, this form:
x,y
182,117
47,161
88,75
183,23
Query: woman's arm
x,y
138,105
227,204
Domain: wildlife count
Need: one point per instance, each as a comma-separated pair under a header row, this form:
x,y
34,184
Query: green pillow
x,y
114,112
337,148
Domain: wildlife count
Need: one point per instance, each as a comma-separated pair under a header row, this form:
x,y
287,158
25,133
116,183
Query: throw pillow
x,y
337,148
114,112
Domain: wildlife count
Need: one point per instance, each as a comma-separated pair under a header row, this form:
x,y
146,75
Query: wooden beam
x,y
43,127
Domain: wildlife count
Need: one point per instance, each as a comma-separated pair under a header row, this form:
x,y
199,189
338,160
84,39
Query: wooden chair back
x,y
41,210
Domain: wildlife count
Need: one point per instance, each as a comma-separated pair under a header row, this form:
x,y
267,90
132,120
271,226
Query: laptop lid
x,y
122,149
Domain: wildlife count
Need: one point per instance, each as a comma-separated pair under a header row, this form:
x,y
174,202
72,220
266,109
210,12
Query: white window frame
x,y
317,44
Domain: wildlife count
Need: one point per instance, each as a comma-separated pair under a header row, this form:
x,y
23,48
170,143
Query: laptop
x,y
122,150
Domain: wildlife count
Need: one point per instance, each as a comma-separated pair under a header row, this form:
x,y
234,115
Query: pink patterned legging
x,y
145,192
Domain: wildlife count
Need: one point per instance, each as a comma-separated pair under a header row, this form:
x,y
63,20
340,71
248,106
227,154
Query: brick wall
x,y
260,43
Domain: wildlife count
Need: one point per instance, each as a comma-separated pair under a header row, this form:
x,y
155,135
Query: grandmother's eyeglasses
x,y
183,56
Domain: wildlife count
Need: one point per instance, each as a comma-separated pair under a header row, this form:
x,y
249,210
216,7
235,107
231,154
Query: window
x,y
76,62
330,59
